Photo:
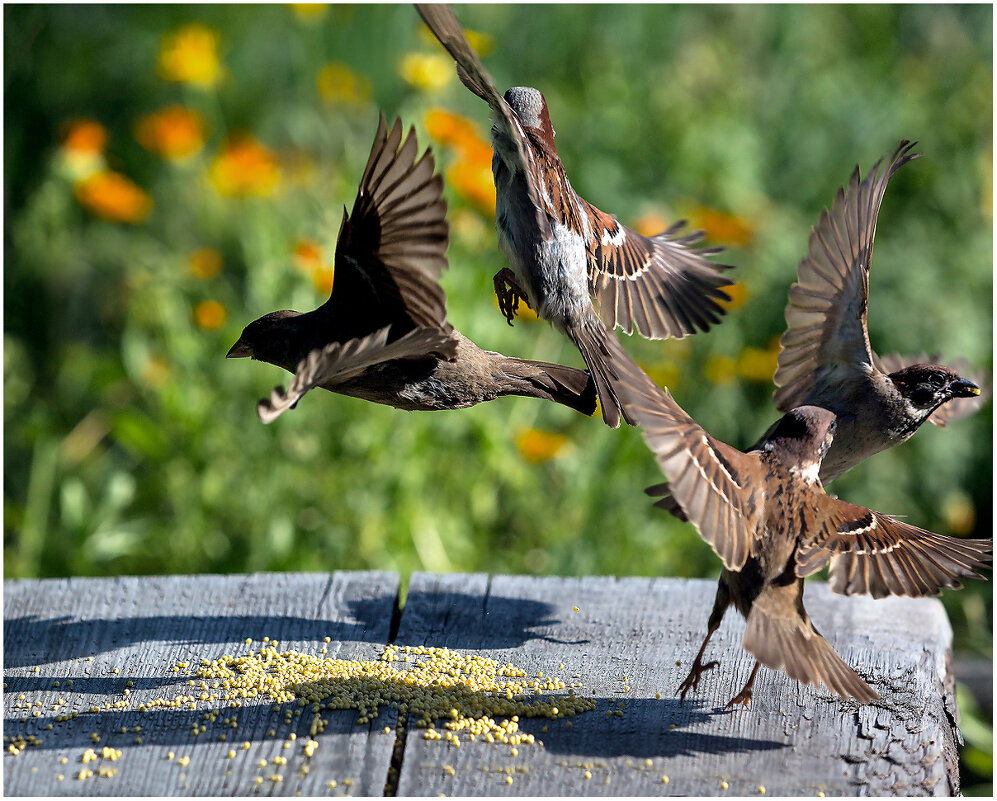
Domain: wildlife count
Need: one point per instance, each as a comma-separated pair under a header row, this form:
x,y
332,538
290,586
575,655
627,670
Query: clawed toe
x,y
743,698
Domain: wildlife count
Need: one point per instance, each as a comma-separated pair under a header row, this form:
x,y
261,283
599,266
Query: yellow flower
x,y
322,278
720,369
536,445
756,364
483,43
309,11
114,197
721,227
986,173
82,152
210,315
337,83
650,223
664,374
205,263
244,167
427,71
959,513
738,295
523,312
190,55
155,372
175,132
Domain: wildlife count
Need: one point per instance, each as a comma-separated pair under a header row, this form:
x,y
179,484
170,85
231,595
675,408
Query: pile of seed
x,y
466,693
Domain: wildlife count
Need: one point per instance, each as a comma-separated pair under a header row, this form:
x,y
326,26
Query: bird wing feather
x,y
392,247
874,554
827,339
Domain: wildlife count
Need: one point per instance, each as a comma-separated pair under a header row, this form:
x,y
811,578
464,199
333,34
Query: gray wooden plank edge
x,y
81,630
794,740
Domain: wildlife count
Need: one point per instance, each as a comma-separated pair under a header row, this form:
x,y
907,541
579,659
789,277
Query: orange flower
x,y
337,83
190,55
474,182
205,263
244,167
210,315
454,131
114,197
650,223
721,227
307,255
85,136
427,71
537,446
174,132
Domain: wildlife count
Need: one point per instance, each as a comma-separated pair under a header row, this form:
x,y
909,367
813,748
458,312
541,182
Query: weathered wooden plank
x,y
109,636
793,741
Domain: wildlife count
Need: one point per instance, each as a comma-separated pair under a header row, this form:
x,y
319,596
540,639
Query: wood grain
x,y
793,741
82,629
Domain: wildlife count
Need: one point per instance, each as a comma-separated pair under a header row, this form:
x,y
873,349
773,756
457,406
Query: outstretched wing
x,y
826,338
472,73
659,285
716,485
341,361
950,410
875,554
392,247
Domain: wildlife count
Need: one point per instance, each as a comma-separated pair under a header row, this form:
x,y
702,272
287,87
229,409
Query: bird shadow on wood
x,y
40,641
467,621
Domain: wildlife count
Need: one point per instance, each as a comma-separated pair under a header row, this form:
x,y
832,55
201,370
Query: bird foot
x,y
743,698
508,296
692,680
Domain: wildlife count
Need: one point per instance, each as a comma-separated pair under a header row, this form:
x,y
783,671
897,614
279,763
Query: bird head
x,y
530,108
272,338
802,438
925,387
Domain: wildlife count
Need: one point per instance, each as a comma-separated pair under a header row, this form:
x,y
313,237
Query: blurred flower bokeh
x,y
174,172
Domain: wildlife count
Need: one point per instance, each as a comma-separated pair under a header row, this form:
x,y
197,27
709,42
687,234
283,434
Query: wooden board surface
x,y
81,630
793,741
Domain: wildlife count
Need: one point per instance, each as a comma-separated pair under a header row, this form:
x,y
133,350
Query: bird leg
x,y
744,697
720,604
508,297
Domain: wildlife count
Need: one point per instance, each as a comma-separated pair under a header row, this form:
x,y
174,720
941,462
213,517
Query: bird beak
x,y
240,350
963,388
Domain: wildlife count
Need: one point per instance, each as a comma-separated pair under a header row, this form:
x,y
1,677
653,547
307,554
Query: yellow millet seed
x,y
664,780
723,785
761,789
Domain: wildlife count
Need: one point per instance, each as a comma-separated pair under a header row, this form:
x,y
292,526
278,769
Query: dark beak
x,y
240,350
963,388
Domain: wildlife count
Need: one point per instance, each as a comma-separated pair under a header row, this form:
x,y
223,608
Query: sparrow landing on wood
x,y
383,334
768,518
564,253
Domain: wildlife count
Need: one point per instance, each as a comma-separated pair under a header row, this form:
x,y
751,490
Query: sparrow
x,y
383,335
570,260
825,358
767,517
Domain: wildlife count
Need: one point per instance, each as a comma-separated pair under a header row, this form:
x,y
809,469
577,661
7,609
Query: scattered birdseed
x,y
664,780
723,785
574,609
508,779
588,774
761,789
184,760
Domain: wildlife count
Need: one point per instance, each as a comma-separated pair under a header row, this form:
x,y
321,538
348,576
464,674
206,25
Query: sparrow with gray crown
x,y
383,333
566,254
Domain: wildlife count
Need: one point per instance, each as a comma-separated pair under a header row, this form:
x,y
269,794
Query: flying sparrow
x,y
825,357
565,254
383,334
768,518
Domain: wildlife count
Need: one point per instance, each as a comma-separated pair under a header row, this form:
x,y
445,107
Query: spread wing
x,y
341,361
659,285
718,487
874,554
392,247
950,410
826,338
441,21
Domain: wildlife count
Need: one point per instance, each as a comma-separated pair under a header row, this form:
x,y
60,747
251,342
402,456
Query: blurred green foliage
x,y
132,446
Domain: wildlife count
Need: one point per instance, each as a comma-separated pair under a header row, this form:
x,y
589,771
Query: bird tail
x,y
781,636
568,386
616,375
